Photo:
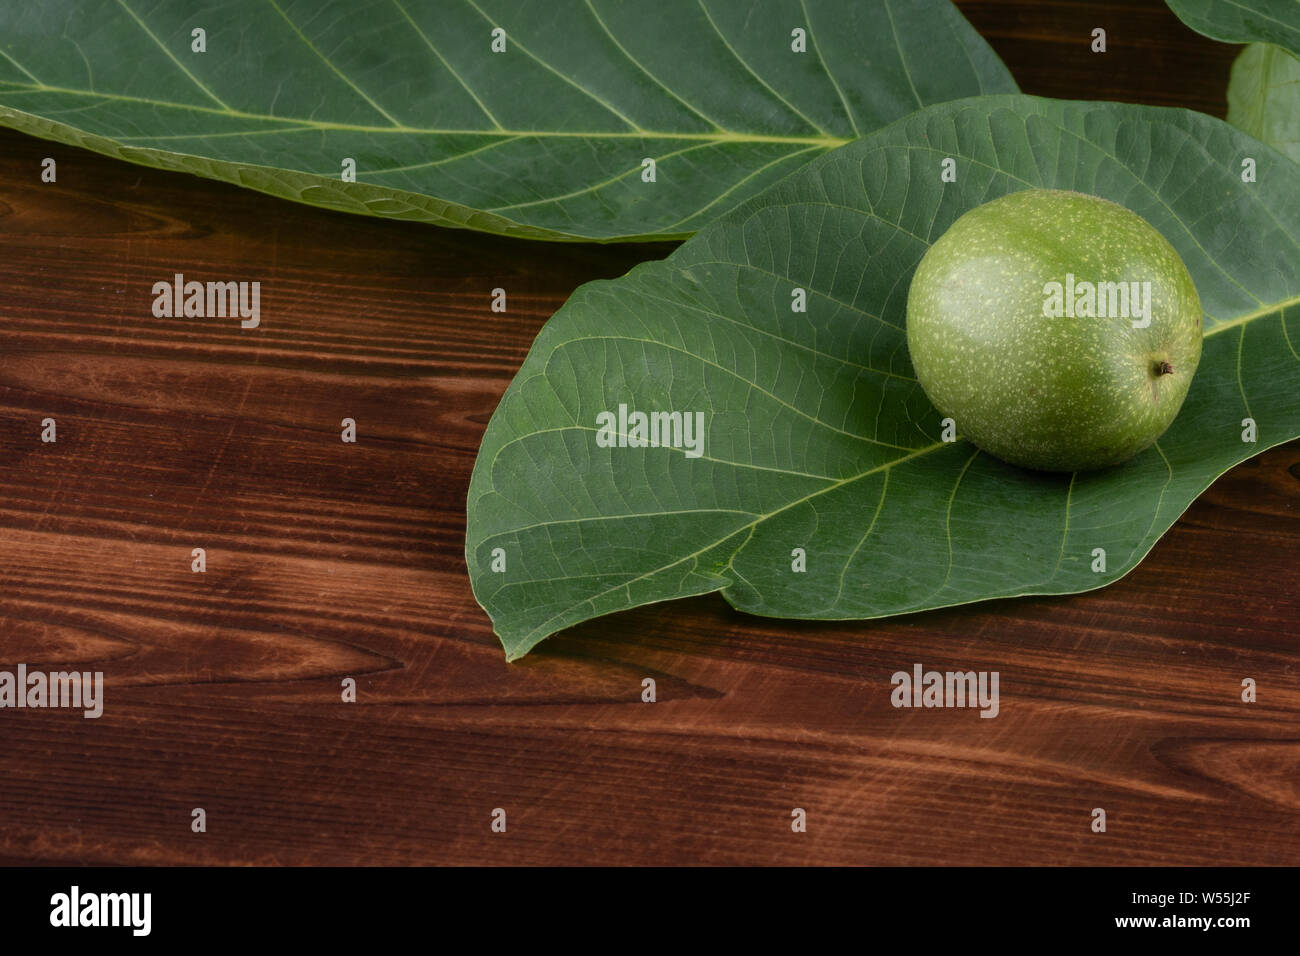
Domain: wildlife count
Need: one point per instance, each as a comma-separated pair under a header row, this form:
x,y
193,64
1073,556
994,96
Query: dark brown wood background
x,y
328,560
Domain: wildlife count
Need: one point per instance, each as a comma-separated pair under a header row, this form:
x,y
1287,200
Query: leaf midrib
x,y
735,531
721,136
1251,316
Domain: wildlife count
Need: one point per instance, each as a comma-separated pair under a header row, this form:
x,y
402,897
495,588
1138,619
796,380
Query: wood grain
x,y
1151,57
328,560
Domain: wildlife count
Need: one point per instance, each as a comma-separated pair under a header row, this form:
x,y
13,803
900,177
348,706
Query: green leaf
x,y
1264,88
1264,97
545,140
1243,21
817,435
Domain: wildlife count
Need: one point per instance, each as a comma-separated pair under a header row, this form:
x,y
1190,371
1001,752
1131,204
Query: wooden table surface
x,y
327,560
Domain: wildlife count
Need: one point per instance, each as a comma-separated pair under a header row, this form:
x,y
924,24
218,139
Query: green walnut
x,y
1059,331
